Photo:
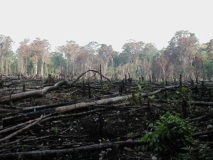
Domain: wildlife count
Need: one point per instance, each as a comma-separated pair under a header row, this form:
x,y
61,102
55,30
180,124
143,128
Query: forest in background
x,y
184,55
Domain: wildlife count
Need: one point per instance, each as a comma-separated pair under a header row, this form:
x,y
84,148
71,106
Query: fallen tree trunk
x,y
107,100
66,108
197,103
19,118
22,129
39,154
36,93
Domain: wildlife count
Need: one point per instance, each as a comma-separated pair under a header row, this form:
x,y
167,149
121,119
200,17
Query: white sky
x,y
105,21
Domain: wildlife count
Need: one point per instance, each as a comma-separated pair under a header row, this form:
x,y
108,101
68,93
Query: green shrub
x,y
171,136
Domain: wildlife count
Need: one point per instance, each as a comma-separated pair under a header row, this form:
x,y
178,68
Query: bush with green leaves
x,y
171,136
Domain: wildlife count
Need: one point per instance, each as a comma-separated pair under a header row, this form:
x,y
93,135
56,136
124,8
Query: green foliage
x,y
14,64
130,135
184,93
162,83
57,61
208,69
178,97
105,87
170,136
151,98
55,130
110,70
137,98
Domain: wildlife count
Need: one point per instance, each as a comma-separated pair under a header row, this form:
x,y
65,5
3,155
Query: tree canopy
x,y
184,55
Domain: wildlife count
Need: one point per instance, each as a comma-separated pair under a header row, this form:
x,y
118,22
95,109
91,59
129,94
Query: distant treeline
x,y
184,55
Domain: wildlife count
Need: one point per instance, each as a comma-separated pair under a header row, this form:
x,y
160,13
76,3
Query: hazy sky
x,y
105,21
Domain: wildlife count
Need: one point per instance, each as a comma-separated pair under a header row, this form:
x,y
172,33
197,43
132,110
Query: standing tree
x,y
147,57
181,52
23,56
39,49
162,63
206,55
130,58
57,63
5,54
82,61
210,50
70,50
105,54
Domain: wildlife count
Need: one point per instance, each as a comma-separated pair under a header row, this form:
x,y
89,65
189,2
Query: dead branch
x,y
91,70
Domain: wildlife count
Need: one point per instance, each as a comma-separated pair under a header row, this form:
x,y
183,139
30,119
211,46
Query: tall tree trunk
x,y
42,68
8,66
21,65
26,69
2,64
5,66
164,75
35,68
